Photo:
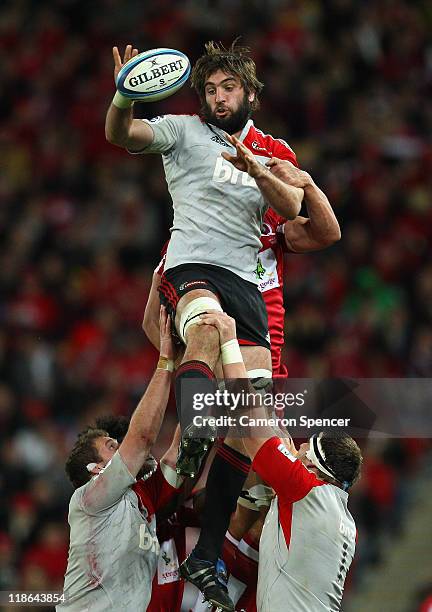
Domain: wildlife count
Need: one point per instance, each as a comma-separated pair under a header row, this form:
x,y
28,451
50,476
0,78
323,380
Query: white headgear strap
x,y
316,455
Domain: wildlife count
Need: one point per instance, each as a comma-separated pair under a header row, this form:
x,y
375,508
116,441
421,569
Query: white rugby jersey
x,y
113,552
218,210
308,540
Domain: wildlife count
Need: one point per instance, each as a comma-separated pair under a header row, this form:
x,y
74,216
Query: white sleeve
x,y
168,130
107,488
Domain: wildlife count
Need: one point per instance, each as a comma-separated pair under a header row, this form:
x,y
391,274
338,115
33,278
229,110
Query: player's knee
x,y
203,344
187,327
204,334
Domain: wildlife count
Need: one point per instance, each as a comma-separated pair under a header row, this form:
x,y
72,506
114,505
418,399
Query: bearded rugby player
x,y
320,229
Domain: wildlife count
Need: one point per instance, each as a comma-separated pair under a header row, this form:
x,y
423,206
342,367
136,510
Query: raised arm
x,y
147,419
150,322
283,198
121,128
319,230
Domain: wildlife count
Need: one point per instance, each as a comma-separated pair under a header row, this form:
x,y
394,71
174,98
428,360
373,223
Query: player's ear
x,y
94,468
251,96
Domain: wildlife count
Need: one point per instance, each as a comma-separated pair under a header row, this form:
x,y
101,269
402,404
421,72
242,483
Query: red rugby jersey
x,y
272,251
243,570
168,587
270,276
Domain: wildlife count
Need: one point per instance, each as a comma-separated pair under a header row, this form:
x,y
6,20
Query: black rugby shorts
x,y
239,298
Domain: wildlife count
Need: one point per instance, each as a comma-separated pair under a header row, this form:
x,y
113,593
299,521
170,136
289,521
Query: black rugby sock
x,y
224,484
192,377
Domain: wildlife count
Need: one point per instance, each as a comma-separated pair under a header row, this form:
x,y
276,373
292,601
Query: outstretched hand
x,y
244,161
118,63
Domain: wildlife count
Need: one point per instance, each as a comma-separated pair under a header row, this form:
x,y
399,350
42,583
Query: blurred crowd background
x,y
348,84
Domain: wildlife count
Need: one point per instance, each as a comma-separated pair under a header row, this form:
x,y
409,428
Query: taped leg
x,y
191,312
195,378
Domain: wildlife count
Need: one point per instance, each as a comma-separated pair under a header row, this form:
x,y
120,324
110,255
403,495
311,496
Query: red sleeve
x,y
155,492
273,219
280,236
267,146
282,471
282,150
273,228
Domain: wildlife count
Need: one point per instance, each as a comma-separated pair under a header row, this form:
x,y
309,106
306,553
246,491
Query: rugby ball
x,y
153,75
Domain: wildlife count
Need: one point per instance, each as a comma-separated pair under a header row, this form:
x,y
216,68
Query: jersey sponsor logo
x,y
148,541
259,270
225,172
168,564
268,284
157,119
184,286
256,147
347,531
283,449
219,140
269,279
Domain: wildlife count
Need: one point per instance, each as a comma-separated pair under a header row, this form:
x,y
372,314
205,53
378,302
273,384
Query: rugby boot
x,y
209,580
193,449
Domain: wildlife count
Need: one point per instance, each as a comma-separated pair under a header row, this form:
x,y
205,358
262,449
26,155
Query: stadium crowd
x,y
82,223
